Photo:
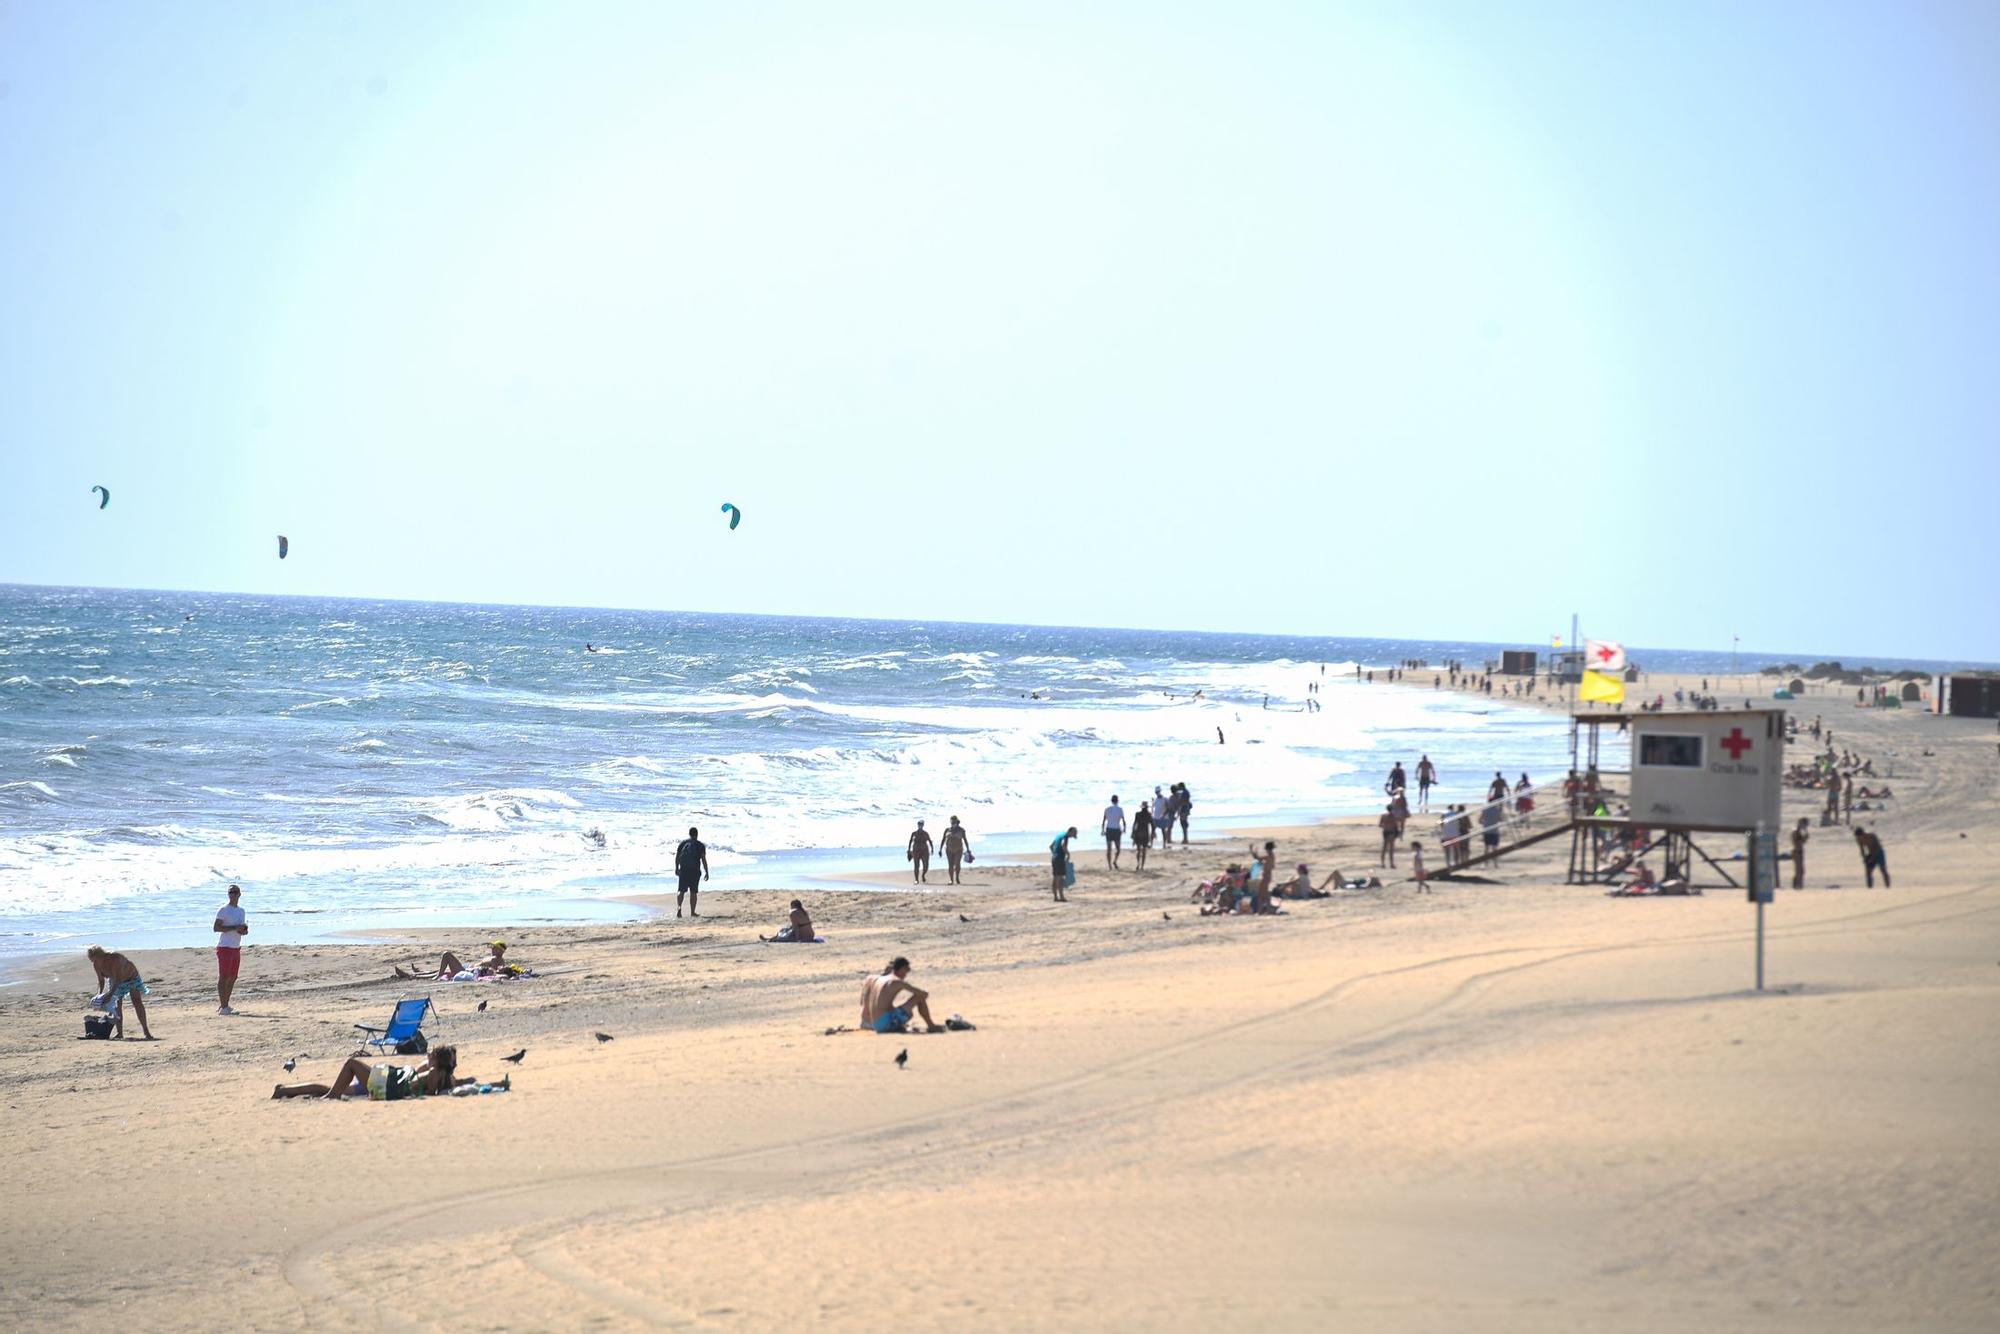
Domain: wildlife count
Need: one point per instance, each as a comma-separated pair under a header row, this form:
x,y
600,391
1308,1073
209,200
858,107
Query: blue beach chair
x,y
404,1024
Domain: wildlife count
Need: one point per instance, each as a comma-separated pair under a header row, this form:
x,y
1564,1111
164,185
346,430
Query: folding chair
x,y
404,1024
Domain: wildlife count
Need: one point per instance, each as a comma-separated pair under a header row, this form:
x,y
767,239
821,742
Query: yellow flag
x,y
1598,686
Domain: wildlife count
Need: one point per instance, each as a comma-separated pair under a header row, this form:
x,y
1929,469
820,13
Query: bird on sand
x,y
602,1037
902,1058
515,1059
1166,917
482,1005
291,1064
963,918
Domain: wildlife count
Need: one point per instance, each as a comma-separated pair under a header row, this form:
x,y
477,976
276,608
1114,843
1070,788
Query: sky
x,y
1418,319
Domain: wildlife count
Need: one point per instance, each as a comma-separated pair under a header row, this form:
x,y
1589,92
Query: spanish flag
x,y
1600,686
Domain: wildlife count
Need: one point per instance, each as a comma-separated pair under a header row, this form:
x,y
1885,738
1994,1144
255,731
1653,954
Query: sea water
x,y
383,763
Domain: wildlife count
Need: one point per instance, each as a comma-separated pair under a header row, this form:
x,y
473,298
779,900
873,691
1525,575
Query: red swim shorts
x,y
227,961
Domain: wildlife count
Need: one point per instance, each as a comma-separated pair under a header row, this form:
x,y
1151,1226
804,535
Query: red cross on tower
x,y
1735,743
1605,654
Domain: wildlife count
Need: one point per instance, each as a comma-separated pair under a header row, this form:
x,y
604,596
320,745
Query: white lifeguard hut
x,y
1712,771
1716,771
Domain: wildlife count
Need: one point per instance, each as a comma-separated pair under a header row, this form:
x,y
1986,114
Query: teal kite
x,y
735,515
105,492
284,545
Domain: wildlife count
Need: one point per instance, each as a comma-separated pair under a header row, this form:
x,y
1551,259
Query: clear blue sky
x,y
1392,319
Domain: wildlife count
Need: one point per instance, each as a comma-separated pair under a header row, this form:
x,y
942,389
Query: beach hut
x,y
1969,694
1912,692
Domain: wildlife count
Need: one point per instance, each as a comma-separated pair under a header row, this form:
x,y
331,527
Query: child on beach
x,y
1417,867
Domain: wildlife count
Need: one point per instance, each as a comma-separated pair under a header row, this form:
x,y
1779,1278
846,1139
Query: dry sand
x,y
1509,1105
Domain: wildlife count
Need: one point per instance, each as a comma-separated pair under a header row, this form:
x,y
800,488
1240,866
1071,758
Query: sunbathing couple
x,y
1232,892
438,1075
1643,883
449,968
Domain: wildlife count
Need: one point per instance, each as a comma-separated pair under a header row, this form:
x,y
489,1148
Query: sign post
x,y
1763,880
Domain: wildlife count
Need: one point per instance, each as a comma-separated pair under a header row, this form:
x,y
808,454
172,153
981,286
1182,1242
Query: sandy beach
x,y
1510,1104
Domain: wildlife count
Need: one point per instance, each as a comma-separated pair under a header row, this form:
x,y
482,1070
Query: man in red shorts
x,y
229,933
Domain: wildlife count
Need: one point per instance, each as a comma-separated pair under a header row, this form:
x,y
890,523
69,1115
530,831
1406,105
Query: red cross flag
x,y
1601,655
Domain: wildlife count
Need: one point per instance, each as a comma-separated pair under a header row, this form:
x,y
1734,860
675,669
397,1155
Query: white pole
x,y
1757,873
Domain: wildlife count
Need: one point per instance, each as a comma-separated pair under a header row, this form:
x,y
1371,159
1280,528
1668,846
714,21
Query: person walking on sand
x,y
1396,781
1799,837
1417,867
888,999
229,932
1163,820
1113,825
117,978
1062,867
1490,816
1873,859
1392,829
956,848
1142,835
1497,789
1182,806
918,851
1427,774
691,865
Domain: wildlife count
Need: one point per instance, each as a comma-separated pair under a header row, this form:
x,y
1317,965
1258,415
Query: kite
x,y
107,496
735,515
284,545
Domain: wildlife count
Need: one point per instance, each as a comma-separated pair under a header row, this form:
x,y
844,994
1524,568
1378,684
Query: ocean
x,y
365,763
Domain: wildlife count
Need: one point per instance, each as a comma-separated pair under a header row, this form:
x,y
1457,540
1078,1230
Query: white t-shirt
x,y
229,914
1114,817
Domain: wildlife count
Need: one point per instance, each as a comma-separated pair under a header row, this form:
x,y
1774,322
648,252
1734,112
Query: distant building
x,y
1968,694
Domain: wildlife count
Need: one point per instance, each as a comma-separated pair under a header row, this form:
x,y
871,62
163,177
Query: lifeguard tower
x,y
1702,772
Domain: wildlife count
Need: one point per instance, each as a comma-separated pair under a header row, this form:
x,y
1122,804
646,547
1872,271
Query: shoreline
x,y
833,869
1398,1075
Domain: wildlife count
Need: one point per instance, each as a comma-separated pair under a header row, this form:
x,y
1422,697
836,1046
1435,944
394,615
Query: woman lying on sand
x,y
449,968
437,1075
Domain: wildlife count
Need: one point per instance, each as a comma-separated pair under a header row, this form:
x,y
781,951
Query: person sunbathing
x,y
799,931
450,969
1213,891
1300,886
437,1075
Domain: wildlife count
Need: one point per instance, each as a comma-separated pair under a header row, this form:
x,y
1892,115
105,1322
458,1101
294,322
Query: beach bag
x,y
97,1026
968,856
414,1045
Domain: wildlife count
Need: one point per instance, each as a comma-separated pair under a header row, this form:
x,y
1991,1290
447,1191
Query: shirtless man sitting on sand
x,y
887,999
